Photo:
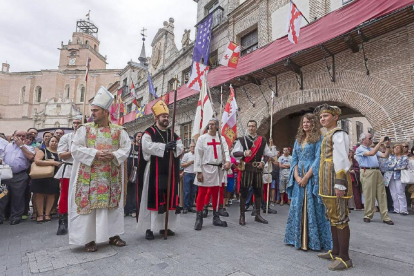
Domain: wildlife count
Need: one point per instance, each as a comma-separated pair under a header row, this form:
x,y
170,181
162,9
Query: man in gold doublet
x,y
335,186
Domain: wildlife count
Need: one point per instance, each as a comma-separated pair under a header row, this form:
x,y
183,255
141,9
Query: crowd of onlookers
x,y
20,151
393,192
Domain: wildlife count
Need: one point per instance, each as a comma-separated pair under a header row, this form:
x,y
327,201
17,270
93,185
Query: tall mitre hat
x,y
103,98
78,117
326,108
160,108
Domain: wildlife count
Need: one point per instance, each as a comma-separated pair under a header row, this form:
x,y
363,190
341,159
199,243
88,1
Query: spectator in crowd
x,y
59,133
190,189
274,188
392,178
382,161
33,131
284,165
17,155
231,180
46,188
132,164
406,149
411,186
47,135
371,177
356,186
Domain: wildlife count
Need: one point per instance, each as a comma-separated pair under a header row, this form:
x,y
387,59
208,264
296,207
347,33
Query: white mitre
x,y
103,98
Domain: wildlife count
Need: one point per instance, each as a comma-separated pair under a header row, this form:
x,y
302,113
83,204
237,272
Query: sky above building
x,y
32,30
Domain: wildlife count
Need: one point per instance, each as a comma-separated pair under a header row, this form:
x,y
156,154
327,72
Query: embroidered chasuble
x,y
99,185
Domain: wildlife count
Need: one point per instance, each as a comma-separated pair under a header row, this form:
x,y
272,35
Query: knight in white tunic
x,y
97,186
153,172
63,174
211,158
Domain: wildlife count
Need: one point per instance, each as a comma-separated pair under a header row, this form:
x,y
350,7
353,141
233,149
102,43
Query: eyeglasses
x,y
405,146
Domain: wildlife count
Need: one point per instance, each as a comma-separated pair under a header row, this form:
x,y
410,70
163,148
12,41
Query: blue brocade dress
x,y
310,230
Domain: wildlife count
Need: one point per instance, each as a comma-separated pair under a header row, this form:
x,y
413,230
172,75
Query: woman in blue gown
x,y
307,227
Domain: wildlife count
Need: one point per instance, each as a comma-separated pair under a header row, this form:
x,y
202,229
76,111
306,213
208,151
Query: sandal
x,y
327,255
47,218
34,216
117,241
91,247
340,264
41,220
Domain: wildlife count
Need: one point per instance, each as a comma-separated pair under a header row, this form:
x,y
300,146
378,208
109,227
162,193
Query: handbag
x,y
5,172
37,172
133,175
407,176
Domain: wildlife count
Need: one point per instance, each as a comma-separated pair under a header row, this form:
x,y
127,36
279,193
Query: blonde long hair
x,y
315,131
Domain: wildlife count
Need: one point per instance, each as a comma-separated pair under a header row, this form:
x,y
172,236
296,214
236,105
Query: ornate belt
x,y
254,164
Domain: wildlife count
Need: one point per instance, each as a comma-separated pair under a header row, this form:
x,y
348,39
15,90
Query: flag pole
x,y
300,12
269,165
171,163
86,86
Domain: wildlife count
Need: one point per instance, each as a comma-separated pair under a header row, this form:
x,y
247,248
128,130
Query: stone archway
x,y
387,109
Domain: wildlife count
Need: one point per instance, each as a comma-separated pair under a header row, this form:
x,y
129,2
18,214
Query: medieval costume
x,y
334,175
307,227
252,176
153,169
96,191
209,160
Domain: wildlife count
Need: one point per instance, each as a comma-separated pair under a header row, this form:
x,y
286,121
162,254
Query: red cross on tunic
x,y
214,144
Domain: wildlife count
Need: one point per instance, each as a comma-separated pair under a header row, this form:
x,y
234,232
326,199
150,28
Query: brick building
x,y
52,97
366,69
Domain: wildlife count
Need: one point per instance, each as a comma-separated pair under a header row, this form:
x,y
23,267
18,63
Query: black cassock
x,y
158,174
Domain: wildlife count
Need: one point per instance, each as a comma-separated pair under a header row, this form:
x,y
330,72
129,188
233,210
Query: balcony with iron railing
x,y
218,17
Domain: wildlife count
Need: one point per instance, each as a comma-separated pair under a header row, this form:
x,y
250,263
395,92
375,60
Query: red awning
x,y
332,25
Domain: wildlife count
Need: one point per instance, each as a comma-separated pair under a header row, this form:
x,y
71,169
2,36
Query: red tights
x,y
63,199
203,197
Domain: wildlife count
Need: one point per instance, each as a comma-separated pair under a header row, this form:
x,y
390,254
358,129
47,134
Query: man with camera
x,y
371,177
17,155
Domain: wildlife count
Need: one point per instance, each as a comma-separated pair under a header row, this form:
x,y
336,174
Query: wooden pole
x,y
171,172
269,165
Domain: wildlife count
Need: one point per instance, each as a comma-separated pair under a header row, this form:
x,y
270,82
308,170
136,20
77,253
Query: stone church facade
x,y
51,98
371,78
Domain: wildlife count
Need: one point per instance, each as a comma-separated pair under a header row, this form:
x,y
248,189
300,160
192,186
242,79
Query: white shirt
x,y
187,158
64,146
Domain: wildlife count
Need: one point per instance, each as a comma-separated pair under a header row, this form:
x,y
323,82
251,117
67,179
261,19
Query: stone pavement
x,y
256,249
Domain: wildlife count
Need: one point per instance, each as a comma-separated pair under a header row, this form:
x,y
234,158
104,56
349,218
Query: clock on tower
x,y
72,61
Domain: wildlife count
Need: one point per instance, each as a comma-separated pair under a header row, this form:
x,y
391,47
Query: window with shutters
x,y
249,42
186,134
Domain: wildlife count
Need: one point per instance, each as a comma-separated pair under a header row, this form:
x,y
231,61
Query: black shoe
x,y
14,221
217,221
62,228
169,232
271,211
199,221
191,210
254,211
149,235
185,211
205,212
222,212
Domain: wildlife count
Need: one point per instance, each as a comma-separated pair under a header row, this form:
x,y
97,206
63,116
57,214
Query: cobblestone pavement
x,y
256,249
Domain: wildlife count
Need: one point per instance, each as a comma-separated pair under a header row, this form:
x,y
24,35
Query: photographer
x,y
371,177
17,155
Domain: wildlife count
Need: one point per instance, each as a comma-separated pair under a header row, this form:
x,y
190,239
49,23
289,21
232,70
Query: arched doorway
x,y
386,108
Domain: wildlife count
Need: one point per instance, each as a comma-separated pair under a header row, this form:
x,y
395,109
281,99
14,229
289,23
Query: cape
x,y
257,154
158,172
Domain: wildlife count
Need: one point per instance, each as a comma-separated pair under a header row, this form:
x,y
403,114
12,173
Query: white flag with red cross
x,y
231,55
88,62
133,90
293,24
198,72
229,119
204,111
